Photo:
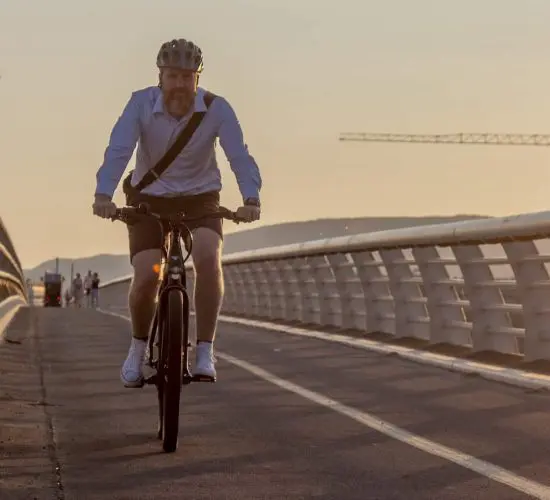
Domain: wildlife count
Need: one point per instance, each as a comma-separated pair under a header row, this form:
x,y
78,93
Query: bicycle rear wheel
x,y
171,371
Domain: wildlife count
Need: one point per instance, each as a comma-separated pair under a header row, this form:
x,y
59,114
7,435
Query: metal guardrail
x,y
13,292
481,284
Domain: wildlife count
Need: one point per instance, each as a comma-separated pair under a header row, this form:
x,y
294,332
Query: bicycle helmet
x,y
182,54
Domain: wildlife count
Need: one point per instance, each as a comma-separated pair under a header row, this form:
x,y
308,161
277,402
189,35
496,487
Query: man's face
x,y
179,87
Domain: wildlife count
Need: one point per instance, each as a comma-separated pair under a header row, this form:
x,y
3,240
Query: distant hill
x,y
108,266
112,266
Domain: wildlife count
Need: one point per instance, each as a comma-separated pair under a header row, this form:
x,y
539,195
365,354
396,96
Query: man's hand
x,y
250,212
103,206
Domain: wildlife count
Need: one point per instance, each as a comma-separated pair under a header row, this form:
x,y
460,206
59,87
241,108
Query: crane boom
x,y
460,138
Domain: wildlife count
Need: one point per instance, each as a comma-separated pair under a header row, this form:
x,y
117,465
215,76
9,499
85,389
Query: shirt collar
x,y
199,102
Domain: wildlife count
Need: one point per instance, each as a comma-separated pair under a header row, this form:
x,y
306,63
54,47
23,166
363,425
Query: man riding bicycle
x,y
154,117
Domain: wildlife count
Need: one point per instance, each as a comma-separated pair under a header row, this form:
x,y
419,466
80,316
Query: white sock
x,y
205,347
139,345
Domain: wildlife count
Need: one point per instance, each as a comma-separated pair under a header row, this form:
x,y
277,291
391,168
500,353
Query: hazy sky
x,y
297,72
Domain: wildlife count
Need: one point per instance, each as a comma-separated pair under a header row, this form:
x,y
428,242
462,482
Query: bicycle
x,y
170,327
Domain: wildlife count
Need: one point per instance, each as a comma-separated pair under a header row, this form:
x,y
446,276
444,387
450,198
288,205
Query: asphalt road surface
x,y
289,418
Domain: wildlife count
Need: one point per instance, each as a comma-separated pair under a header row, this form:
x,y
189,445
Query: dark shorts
x,y
148,234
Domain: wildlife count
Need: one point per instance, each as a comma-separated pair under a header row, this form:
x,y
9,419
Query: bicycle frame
x,y
173,277
167,363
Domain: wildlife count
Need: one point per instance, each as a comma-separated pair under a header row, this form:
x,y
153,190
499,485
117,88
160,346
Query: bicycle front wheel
x,y
171,349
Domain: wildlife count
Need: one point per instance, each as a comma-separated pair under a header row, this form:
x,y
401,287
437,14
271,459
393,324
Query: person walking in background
x,y
30,291
95,291
78,290
88,288
67,297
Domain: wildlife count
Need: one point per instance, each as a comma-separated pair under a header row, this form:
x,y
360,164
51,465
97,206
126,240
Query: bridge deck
x,y
252,435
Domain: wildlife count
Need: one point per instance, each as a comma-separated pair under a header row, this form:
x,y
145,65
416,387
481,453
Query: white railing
x,y
13,293
482,284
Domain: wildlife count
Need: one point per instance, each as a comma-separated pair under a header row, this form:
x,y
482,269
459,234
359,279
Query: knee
x,y
208,265
207,251
145,280
146,277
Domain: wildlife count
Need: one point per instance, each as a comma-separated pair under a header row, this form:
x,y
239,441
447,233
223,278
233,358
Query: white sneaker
x,y
204,365
132,369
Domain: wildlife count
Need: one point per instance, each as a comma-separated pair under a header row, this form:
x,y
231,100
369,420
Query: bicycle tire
x,y
171,350
155,341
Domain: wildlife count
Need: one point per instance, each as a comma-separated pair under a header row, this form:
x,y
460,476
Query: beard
x,y
179,100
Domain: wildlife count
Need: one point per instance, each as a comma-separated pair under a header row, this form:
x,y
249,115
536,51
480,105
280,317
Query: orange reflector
x,y
156,268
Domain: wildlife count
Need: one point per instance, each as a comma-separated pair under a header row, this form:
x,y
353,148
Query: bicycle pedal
x,y
203,378
140,386
152,380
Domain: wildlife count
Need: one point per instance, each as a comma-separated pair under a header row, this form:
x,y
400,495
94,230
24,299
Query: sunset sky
x,y
297,72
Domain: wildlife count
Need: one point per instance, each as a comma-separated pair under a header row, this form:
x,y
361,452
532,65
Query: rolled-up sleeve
x,y
240,160
121,146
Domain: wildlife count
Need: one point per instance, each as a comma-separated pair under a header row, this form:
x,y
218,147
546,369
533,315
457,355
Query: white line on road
x,y
470,462
511,376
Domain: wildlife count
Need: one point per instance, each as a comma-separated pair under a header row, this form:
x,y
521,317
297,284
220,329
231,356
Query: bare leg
x,y
209,286
207,249
142,309
143,292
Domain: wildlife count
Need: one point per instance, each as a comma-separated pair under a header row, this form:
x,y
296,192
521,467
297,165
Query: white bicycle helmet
x,y
182,54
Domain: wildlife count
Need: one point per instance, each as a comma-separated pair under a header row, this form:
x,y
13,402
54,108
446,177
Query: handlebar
x,y
129,214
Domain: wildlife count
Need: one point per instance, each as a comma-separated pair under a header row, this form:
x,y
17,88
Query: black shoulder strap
x,y
174,150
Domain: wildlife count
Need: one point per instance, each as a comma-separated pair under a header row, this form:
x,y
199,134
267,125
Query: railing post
x,y
308,292
350,292
276,290
280,275
326,290
265,305
232,294
447,319
378,300
483,299
288,270
533,287
249,289
254,286
411,318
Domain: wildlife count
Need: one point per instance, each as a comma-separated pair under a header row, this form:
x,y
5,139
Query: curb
x,y
512,376
8,310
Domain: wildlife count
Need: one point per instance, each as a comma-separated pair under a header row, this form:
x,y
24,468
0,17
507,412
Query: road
x,y
289,418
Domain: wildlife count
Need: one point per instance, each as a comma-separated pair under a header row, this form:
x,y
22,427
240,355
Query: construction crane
x,y
460,138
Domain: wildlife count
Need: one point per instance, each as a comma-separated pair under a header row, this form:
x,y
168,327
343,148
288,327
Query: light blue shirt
x,y
195,169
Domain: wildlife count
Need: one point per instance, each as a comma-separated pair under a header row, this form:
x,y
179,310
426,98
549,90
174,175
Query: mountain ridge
x,y
111,266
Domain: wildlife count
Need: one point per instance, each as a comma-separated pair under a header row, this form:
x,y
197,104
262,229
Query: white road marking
x,y
491,471
467,461
511,376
